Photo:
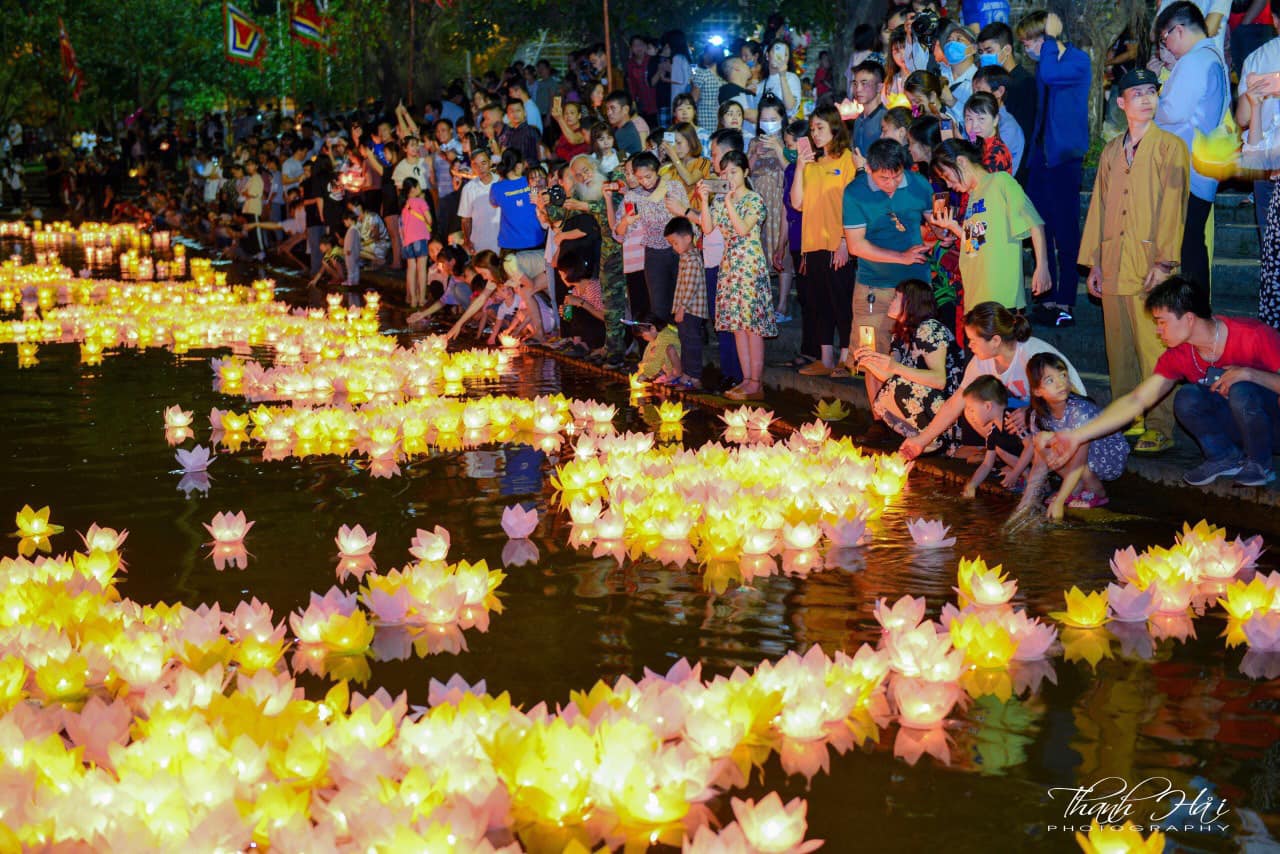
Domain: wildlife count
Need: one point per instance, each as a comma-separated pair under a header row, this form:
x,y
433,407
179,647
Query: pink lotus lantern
x,y
922,704
228,528
930,533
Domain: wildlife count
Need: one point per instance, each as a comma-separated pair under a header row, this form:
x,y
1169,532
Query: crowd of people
x,y
632,215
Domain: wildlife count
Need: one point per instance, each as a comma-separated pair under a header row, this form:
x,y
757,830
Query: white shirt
x,y
1264,60
419,171
486,219
1207,8
1015,377
961,89
773,86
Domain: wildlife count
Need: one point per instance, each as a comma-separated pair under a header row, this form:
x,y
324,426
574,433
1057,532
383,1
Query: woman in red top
x,y
573,138
981,125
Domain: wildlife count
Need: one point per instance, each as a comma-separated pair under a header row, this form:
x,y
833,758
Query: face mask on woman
x,y
791,154
770,127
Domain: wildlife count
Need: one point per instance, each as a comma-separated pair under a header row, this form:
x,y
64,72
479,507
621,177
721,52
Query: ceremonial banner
x,y
310,26
70,67
245,42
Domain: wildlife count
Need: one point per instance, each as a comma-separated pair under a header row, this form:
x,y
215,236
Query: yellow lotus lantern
x,y
34,530
1084,611
1243,600
983,586
1125,839
985,644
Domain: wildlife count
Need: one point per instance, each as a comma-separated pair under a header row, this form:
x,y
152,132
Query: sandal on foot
x,y
1087,500
1152,442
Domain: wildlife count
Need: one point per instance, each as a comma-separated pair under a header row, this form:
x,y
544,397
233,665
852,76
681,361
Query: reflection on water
x,y
1128,702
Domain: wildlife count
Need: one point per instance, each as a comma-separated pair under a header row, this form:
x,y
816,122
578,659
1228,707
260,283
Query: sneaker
x,y
1210,470
1064,319
1255,474
779,317
1043,314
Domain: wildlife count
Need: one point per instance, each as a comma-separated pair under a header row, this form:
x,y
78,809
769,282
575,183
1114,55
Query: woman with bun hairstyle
x,y
1002,345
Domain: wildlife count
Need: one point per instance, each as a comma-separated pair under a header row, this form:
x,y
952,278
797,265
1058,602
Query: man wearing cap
x,y
1132,241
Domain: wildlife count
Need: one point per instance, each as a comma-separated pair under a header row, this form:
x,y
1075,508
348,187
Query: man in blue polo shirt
x,y
519,231
884,212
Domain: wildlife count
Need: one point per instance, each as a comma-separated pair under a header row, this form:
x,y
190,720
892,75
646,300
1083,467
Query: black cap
x,y
1138,77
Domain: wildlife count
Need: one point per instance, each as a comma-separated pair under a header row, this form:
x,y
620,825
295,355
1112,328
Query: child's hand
x,y
1010,479
1015,421
970,490
1057,509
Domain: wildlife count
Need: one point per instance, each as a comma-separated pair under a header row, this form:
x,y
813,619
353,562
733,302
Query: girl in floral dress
x,y
744,302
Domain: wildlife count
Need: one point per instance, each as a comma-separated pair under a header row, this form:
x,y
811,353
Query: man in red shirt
x,y
1230,370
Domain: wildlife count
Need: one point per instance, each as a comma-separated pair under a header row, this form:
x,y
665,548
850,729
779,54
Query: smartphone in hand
x,y
716,186
804,146
867,336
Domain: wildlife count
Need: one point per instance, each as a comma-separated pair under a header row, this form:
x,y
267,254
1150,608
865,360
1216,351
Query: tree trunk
x,y
855,12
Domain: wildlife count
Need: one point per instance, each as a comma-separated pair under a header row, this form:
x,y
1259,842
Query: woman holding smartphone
x,y
824,166
744,300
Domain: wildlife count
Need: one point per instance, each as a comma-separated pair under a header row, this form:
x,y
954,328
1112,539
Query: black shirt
x,y
1020,101
587,246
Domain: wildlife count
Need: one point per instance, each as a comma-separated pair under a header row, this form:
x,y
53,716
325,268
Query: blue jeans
x,y
690,330
314,255
730,369
1246,420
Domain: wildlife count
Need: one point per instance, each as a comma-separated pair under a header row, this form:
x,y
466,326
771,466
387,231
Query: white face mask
x,y
770,127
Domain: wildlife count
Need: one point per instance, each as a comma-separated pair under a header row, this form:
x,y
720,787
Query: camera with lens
x,y
556,195
925,28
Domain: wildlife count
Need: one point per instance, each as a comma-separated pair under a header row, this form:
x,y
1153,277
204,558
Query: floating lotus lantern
x,y
1084,611
1129,603
175,417
772,828
1262,631
986,644
923,704
227,528
195,460
983,586
518,523
831,410
1110,839
930,533
903,616
34,530
1243,600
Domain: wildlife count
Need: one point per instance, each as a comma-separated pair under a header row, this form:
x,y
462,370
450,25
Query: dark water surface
x,y
89,442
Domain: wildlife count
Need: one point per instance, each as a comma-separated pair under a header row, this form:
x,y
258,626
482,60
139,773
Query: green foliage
x,y
148,53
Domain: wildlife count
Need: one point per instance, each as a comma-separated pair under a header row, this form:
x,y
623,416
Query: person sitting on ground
x,y
295,226
1002,344
375,240
985,402
1229,368
922,369
661,357
456,293
497,275
331,267
583,310
1056,407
